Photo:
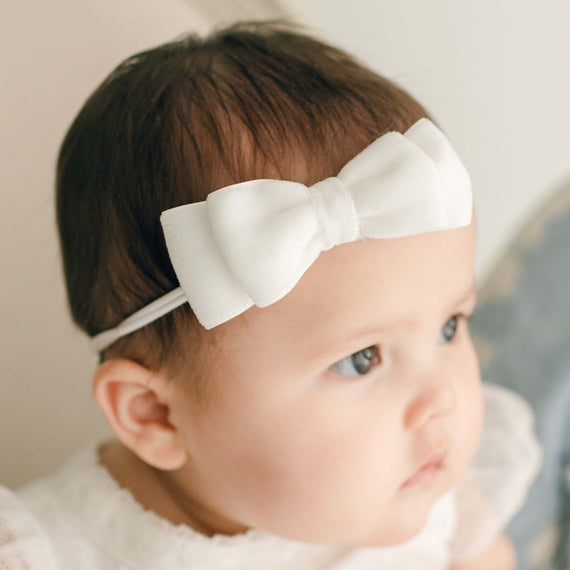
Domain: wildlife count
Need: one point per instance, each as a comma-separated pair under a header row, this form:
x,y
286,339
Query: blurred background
x,y
493,73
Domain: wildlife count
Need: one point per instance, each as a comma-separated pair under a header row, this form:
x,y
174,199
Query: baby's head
x,y
307,416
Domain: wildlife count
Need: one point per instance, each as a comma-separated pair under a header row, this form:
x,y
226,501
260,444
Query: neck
x,y
162,492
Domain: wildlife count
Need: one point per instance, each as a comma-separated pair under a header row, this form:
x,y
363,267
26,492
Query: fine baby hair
x,y
174,123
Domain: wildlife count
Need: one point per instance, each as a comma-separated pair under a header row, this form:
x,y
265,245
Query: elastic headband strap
x,y
140,318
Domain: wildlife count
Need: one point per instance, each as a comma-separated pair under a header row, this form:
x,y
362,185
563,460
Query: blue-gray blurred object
x,y
521,330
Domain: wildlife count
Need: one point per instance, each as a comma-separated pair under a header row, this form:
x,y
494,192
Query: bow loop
x,y
267,234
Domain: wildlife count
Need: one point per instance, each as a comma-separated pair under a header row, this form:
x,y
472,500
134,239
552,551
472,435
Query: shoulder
x,y
23,542
506,409
496,484
62,504
499,555
509,448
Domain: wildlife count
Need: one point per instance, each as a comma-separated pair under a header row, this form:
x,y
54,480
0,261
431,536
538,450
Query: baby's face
x,y
330,399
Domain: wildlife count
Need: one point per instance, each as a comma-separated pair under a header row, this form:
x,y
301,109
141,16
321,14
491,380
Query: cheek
x,y
308,477
469,419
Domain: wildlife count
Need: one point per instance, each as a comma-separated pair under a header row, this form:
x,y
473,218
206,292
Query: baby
x,y
272,248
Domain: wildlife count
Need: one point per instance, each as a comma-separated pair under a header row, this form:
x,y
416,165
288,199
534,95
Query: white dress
x,y
80,519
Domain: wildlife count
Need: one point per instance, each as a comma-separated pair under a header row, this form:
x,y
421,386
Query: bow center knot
x,y
336,213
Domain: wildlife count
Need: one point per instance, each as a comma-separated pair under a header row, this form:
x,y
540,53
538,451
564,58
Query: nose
x,y
435,400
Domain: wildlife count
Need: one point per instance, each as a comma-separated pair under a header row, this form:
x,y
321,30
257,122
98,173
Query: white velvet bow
x,y
249,243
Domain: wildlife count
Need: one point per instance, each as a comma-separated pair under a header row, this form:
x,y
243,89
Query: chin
x,y
396,532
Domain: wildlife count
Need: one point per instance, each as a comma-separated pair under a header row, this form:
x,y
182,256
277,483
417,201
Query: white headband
x,y
249,243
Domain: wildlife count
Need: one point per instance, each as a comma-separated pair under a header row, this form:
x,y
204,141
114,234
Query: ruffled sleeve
x,y
23,545
495,486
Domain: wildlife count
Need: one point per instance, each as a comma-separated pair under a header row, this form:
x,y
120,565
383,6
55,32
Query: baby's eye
x,y
450,327
358,363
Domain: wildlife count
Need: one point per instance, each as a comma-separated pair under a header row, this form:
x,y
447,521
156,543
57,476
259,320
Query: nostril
x,y
430,404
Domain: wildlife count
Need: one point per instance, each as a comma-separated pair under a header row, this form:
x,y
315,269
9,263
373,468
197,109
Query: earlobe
x,y
138,413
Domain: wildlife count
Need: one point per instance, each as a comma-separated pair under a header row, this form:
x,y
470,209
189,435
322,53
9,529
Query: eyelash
x,y
460,317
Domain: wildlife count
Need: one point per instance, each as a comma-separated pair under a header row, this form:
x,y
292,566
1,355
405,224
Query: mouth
x,y
427,472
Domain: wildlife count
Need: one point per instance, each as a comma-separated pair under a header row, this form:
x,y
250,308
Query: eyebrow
x,y
339,341
471,295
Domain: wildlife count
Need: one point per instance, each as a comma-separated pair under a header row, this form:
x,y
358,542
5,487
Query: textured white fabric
x,y
249,243
23,544
93,524
496,484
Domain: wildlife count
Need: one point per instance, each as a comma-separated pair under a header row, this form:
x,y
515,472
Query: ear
x,y
138,413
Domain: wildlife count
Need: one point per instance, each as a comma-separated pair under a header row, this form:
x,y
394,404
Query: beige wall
x,y
492,72
53,55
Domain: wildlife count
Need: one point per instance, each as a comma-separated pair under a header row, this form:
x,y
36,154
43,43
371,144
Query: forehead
x,y
368,283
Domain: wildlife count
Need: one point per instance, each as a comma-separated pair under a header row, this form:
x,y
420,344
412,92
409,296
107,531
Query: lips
x,y
428,470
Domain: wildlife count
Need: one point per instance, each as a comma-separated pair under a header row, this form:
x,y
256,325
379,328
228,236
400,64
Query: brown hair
x,y
170,125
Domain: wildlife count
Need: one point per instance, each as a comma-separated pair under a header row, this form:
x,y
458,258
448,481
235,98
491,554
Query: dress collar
x,y
120,525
